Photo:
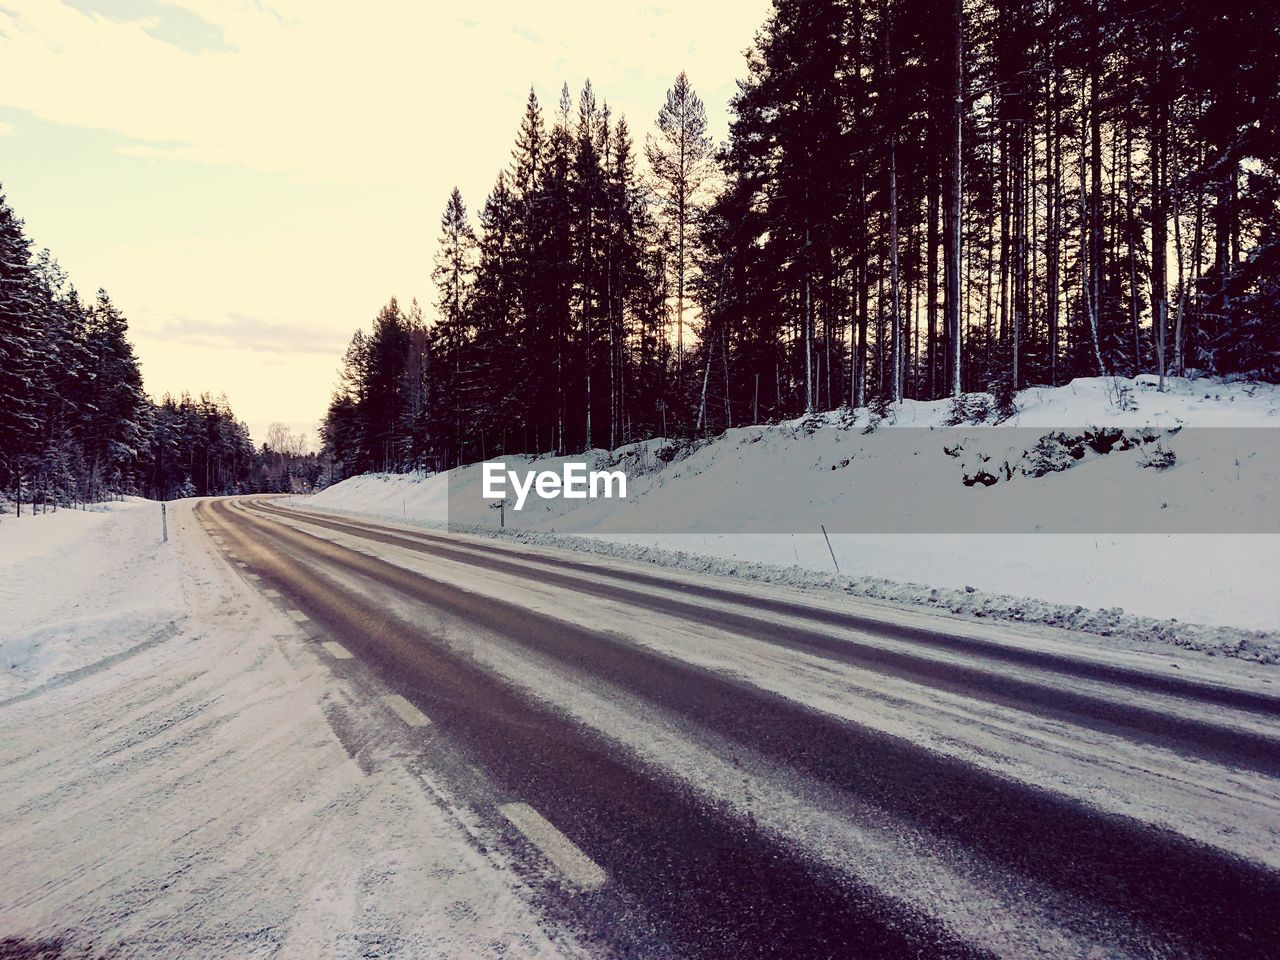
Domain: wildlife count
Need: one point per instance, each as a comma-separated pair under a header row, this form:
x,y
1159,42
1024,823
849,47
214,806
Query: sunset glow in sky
x,y
251,180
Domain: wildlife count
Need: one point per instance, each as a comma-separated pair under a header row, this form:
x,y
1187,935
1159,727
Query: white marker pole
x,y
833,553
164,522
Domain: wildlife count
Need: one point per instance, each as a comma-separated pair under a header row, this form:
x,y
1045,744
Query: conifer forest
x,y
76,424
916,200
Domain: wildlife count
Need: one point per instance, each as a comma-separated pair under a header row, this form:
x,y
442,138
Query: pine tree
x,y
19,363
680,158
117,420
453,275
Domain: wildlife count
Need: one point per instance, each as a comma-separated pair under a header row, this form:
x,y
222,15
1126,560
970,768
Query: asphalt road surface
x,y
654,751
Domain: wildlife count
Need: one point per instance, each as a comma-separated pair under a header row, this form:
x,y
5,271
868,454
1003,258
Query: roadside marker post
x,y
164,522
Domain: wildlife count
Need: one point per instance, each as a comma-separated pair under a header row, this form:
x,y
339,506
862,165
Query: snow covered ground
x,y
173,786
91,614
183,776
795,476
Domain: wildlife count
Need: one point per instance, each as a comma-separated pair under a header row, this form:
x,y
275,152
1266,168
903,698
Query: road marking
x,y
337,650
578,868
406,711
297,616
273,594
252,576
241,564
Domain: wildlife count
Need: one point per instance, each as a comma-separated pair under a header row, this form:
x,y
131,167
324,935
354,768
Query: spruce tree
x,y
680,159
19,348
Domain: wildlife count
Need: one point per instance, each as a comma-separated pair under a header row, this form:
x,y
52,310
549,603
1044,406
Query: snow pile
x,y
685,504
112,585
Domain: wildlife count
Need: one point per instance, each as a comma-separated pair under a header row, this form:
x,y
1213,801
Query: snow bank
x,y
1120,402
784,473
79,586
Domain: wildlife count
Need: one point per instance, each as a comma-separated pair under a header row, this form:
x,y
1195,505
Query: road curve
x,y
685,768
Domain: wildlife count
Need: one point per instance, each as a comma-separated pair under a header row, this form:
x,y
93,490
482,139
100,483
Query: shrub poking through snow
x,y
1004,398
1161,458
1059,451
969,408
1053,453
879,410
810,424
1121,394
845,418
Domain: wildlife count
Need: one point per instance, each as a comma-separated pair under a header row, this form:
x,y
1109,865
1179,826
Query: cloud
x,y
151,151
310,88
166,22
236,331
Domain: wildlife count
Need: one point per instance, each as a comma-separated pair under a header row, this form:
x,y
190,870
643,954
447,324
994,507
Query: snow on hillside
x,y
1120,402
757,496
173,786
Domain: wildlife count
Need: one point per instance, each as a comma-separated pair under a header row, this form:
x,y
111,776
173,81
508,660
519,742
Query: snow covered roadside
x,y
173,788
1205,591
68,592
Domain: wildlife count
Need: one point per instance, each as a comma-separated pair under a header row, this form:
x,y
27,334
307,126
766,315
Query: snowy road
x,y
689,767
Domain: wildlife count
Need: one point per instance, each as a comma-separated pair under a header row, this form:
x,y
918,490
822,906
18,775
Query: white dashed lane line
x,y
577,867
337,650
406,711
273,594
297,616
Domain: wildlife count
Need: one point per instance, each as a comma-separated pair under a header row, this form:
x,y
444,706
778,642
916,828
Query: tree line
x,y
76,425
917,199
926,198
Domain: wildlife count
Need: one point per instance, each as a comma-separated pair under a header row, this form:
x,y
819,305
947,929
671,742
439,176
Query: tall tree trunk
x,y
1053,192
895,322
1097,250
931,284
953,199
1159,220
1088,271
1032,283
1131,249
808,328
863,303
1019,245
1003,178
724,355
680,266
1178,254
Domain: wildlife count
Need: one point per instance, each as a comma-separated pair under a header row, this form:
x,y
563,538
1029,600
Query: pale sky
x,y
252,179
